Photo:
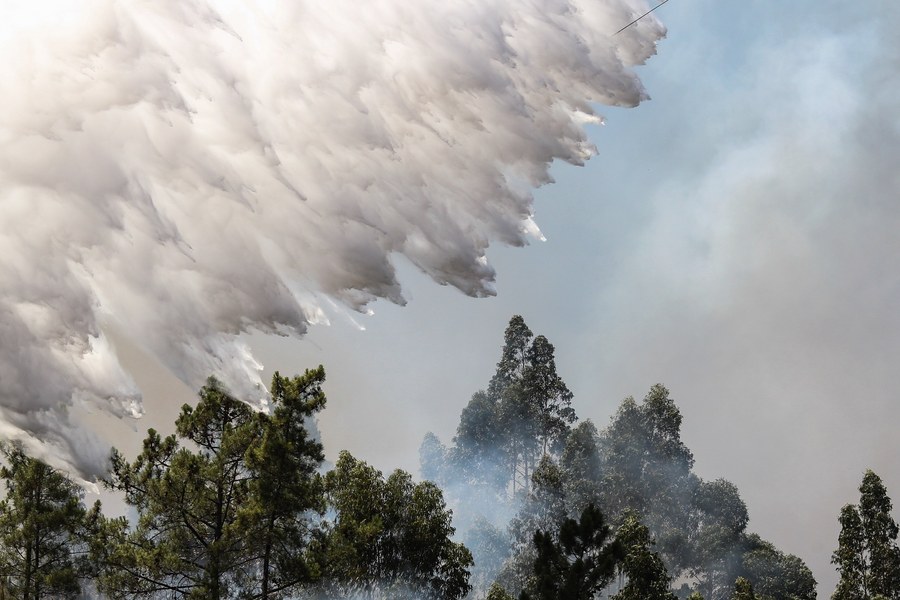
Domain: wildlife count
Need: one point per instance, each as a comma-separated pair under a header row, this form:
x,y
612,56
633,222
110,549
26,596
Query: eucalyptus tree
x,y
743,590
646,467
775,574
645,574
867,557
524,413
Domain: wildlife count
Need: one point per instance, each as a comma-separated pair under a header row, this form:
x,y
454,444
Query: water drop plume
x,y
182,171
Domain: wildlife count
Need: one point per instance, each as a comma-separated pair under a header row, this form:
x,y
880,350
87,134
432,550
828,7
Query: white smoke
x,y
187,170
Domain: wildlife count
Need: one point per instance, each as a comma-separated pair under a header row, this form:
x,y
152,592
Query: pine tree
x,y
189,540
577,566
285,488
42,521
228,510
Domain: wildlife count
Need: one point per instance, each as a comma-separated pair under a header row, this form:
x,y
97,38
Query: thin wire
x,y
640,17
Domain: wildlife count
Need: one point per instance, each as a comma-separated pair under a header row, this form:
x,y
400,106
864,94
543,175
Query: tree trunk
x,y
267,557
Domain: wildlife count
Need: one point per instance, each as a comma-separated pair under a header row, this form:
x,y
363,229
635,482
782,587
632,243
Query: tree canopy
x,y
42,529
236,503
390,534
867,556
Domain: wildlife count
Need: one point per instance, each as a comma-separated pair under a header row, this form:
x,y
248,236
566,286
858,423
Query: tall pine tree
x,y
42,522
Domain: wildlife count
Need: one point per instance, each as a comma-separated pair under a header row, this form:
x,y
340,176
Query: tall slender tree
x,y
42,522
478,456
534,403
285,487
645,574
718,539
880,533
582,468
849,557
867,556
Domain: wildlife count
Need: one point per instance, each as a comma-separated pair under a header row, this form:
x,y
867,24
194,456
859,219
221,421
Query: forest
x,y
526,501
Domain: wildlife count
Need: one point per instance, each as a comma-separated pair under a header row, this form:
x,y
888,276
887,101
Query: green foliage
x,y
645,573
478,457
880,534
390,533
577,566
582,468
743,590
225,512
543,509
525,413
491,547
547,395
285,487
774,574
719,536
545,506
42,521
639,466
867,556
849,556
647,468
190,536
498,593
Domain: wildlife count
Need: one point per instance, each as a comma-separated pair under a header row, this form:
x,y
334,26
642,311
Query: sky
x,y
734,237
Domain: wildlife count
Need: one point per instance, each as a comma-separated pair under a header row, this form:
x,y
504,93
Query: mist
x,y
181,173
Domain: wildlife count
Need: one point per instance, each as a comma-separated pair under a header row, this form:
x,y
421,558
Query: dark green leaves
x,y
42,529
390,534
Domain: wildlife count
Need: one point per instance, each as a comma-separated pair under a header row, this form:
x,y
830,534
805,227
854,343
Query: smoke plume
x,y
185,171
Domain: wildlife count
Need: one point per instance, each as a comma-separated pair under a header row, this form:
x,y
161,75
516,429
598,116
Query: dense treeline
x,y
521,465
236,504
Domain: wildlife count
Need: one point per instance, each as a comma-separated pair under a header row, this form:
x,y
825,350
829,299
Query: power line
x,y
640,17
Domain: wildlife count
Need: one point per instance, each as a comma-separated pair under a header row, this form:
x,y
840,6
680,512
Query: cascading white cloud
x,y
187,170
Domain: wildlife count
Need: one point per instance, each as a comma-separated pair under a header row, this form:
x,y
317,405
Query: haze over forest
x,y
182,180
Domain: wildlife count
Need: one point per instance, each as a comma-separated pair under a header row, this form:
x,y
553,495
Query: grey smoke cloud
x,y
764,288
187,171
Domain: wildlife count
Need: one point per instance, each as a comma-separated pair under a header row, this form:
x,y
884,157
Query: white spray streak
x,y
191,169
